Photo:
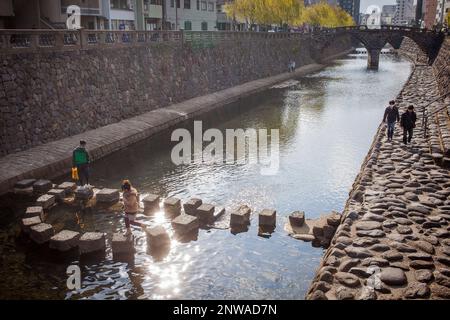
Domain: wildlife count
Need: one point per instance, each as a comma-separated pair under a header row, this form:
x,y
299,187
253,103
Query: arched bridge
x,y
375,39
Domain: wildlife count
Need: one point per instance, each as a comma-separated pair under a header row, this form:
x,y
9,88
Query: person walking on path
x,y
130,206
408,123
391,116
81,160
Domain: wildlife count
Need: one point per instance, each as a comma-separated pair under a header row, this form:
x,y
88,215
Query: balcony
x,y
153,11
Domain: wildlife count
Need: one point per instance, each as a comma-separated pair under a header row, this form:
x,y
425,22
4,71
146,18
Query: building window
x,y
178,3
172,3
210,6
187,4
198,4
187,25
204,26
204,5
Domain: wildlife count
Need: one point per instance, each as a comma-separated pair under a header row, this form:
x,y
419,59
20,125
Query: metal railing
x,y
425,114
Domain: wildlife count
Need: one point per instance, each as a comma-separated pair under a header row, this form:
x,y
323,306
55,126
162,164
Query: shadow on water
x,y
326,122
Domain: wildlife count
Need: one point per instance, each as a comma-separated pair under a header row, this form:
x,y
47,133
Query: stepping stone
x,y
59,194
92,242
185,223
172,206
35,211
241,217
297,218
83,193
41,233
68,187
334,219
24,191
107,196
64,240
24,184
267,218
151,203
205,213
218,212
122,244
29,222
42,186
157,237
46,201
190,207
393,276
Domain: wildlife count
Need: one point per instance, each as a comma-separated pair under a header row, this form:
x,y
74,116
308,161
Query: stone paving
x,y
394,237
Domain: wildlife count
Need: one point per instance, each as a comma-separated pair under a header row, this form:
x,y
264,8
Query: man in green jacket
x,y
80,160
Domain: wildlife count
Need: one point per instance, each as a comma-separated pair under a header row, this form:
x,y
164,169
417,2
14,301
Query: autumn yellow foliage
x,y
287,12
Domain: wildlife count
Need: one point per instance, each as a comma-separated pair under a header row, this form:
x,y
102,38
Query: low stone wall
x,y
45,96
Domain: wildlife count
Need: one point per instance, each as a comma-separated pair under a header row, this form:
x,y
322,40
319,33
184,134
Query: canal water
x,y
326,121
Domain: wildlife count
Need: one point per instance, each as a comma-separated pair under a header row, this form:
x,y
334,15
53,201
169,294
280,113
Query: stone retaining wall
x,y
441,67
45,96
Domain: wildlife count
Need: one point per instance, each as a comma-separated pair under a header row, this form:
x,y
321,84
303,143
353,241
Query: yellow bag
x,y
75,174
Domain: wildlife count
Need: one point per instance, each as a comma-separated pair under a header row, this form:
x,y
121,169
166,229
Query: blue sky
x,y
380,3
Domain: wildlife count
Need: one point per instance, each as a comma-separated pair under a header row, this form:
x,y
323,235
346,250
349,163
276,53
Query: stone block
x,y
35,211
24,191
190,207
172,206
218,212
122,244
46,201
151,203
241,217
83,193
297,218
27,223
157,237
205,213
108,196
41,233
41,186
185,223
59,194
267,218
24,184
68,187
92,242
64,240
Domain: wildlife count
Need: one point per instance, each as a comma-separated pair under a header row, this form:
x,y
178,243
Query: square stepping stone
x,y
64,240
185,223
108,196
172,206
151,203
268,218
68,187
297,218
190,207
24,184
41,233
46,201
218,212
59,194
35,211
157,237
92,242
24,191
27,223
83,193
205,213
122,244
41,186
241,217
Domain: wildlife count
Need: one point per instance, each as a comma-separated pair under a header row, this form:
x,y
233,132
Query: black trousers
x,y
407,134
83,174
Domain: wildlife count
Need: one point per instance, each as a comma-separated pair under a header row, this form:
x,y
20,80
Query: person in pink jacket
x,y
130,206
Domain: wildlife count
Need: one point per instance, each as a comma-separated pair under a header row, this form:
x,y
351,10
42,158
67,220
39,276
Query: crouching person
x,y
130,206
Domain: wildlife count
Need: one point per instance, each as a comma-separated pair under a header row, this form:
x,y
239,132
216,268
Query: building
x,y
442,9
388,14
352,7
420,7
195,15
405,13
429,16
149,15
6,13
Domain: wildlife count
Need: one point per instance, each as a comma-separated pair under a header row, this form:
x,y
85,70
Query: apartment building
x,y
405,13
442,9
195,15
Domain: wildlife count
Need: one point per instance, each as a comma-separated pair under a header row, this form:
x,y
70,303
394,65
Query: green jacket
x,y
80,156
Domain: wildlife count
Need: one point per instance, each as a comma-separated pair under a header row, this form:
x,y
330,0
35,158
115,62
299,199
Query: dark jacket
x,y
391,115
408,120
80,156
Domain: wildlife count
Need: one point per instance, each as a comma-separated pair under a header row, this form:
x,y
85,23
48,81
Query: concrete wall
x,y
49,96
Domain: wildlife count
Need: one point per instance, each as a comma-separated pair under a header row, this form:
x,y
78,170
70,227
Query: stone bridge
x,y
375,39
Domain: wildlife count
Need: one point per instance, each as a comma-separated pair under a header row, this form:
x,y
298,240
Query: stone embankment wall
x,y
441,67
47,96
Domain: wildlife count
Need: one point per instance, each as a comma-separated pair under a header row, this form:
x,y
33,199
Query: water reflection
x,y
326,121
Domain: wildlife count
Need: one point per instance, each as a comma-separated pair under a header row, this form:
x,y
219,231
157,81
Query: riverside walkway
x,y
394,237
54,159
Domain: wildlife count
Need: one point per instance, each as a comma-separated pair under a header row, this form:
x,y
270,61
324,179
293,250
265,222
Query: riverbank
x,y
53,159
393,241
